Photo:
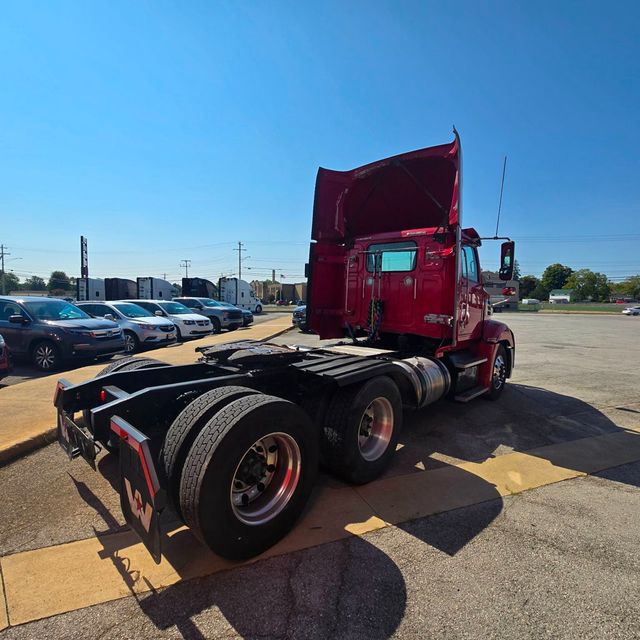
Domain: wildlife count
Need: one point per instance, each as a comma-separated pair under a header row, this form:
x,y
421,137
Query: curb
x,y
24,447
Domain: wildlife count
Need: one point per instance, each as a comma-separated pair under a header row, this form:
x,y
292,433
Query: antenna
x,y
504,170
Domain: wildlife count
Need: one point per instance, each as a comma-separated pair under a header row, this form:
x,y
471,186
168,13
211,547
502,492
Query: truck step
x,y
465,360
470,394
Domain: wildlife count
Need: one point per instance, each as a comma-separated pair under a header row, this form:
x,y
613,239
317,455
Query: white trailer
x,y
239,293
155,289
88,289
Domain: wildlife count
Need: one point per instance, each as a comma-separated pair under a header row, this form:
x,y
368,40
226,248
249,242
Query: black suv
x,y
49,331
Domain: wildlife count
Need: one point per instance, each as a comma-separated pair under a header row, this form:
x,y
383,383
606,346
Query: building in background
x,y
560,296
270,291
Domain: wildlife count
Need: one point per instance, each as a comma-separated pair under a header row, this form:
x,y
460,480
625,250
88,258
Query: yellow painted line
x,y
54,580
4,620
27,415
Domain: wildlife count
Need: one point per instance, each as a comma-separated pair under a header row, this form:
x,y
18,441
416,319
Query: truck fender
x,y
494,334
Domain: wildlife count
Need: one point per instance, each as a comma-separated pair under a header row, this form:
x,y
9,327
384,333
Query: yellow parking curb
x,y
4,619
62,578
27,414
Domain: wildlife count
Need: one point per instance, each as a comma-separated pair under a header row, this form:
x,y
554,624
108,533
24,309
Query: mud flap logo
x,y
136,506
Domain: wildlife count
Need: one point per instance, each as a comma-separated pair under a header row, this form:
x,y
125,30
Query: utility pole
x,y
3,253
239,250
186,264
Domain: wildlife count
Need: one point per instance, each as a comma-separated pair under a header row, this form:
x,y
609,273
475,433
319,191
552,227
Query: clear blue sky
x,y
169,130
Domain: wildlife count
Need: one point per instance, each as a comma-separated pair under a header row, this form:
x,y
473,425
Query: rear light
x,y
103,395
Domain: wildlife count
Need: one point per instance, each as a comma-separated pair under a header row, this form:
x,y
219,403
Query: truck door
x,y
471,296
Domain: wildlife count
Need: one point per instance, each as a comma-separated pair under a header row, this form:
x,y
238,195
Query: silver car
x,y
221,317
139,326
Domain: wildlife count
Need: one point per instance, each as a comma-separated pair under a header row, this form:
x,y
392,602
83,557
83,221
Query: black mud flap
x,y
141,498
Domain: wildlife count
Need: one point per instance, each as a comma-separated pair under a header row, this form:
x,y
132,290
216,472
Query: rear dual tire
x,y
248,475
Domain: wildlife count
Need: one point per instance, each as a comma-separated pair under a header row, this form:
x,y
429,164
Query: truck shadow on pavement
x,y
351,587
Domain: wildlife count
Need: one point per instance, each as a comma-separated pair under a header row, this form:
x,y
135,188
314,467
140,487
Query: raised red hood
x,y
410,191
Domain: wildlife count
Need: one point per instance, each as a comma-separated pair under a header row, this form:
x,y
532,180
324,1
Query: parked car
x,y
139,326
5,358
188,324
221,316
247,316
530,301
631,311
299,317
50,331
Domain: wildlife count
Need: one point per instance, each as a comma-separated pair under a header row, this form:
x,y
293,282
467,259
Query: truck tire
x,y
498,374
361,430
185,429
249,475
124,364
258,309
215,325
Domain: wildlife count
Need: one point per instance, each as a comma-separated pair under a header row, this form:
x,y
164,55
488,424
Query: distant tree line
x,y
586,285
58,283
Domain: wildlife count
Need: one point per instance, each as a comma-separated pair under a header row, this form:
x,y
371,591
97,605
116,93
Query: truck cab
x,y
390,260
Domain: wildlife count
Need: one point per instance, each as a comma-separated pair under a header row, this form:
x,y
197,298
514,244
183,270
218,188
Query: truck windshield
x,y
174,308
55,310
130,310
396,256
210,303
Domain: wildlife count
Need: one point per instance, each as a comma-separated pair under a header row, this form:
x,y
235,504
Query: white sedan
x,y
631,311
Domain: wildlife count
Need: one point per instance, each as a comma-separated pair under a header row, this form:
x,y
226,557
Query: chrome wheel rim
x,y
266,479
129,343
375,429
45,356
499,372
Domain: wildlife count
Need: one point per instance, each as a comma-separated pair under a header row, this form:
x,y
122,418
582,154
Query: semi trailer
x,y
231,443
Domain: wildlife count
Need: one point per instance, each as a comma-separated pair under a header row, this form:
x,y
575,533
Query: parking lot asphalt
x,y
556,558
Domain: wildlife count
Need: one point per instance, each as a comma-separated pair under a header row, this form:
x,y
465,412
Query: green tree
x,y
588,285
516,270
35,283
539,293
527,285
58,280
9,282
629,288
555,276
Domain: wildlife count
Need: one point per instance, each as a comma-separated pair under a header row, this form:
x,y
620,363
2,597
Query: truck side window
x,y
471,270
396,256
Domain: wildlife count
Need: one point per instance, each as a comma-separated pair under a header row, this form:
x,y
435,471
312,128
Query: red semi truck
x,y
232,442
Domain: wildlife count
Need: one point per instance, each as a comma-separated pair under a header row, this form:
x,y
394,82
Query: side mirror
x,y
18,319
109,316
159,313
507,252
